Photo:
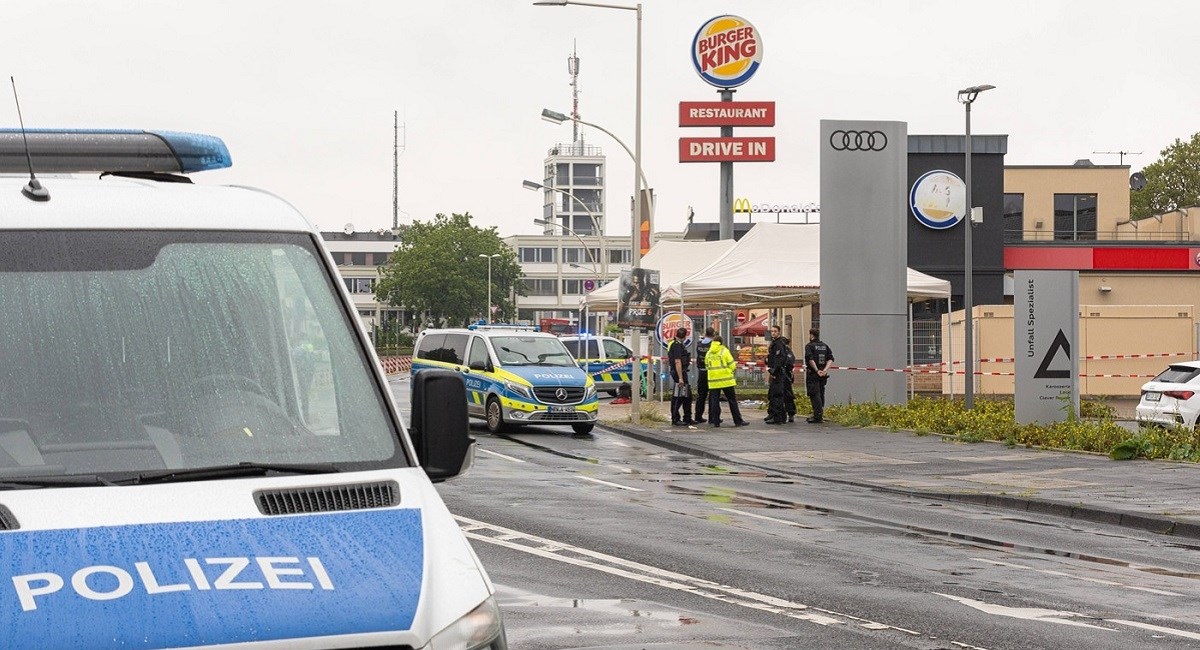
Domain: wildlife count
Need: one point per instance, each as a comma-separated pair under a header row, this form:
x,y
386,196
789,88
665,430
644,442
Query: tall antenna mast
x,y
573,70
397,147
1121,153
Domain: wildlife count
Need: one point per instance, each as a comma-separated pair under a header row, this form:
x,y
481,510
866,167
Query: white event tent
x,y
779,265
773,265
674,260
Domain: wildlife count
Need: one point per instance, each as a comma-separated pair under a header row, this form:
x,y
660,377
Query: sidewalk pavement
x,y
1157,496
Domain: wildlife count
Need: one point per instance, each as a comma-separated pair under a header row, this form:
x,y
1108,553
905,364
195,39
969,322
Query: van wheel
x,y
583,429
495,415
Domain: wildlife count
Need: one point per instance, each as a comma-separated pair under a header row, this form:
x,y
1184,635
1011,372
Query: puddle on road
x,y
602,621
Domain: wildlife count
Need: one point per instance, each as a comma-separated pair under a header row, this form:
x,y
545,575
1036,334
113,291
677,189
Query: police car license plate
x,y
1153,397
562,409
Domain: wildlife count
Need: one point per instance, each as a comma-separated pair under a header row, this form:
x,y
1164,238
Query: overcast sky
x,y
303,92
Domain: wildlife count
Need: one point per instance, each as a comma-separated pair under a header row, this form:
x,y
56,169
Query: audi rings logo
x,y
561,394
858,140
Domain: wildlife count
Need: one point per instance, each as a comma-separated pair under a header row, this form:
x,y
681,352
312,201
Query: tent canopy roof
x,y
778,265
674,260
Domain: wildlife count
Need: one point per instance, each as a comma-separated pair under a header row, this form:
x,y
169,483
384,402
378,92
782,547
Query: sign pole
x,y
726,220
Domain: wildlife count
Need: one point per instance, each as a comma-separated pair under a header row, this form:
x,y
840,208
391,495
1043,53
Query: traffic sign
x,y
589,285
741,317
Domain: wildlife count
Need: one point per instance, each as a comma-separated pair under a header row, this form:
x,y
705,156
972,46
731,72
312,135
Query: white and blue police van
x,y
198,447
514,374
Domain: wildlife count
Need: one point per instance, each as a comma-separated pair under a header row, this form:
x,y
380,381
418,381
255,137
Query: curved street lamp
x,y
586,250
532,186
635,414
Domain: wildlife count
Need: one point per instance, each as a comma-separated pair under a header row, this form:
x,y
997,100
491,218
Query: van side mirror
x,y
440,429
483,366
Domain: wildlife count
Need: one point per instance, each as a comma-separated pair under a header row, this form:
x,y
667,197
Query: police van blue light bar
x,y
111,150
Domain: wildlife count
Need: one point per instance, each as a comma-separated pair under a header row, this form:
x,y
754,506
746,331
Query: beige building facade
x,y
1139,282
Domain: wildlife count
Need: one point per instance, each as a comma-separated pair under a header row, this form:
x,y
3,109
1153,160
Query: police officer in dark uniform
x,y
779,365
680,361
702,347
817,359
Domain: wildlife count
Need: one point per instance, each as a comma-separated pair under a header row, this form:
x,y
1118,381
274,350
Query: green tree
x,y
1172,182
437,272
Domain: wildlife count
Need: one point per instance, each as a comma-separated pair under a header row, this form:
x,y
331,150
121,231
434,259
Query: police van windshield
x,y
531,351
132,351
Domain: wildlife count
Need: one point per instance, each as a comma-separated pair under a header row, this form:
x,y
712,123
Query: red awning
x,y
756,327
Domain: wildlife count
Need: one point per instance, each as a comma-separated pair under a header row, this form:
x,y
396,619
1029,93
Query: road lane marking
x,y
766,518
1027,613
1063,618
500,455
616,485
1161,592
1156,628
629,569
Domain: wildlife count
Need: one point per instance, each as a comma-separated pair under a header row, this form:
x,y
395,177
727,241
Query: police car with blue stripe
x,y
514,375
607,360
197,443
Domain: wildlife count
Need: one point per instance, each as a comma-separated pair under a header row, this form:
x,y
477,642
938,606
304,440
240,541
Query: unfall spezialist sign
x,y
753,149
1046,317
726,113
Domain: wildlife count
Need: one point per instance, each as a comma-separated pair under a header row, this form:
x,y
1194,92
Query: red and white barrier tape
x,y
392,365
1090,357
977,372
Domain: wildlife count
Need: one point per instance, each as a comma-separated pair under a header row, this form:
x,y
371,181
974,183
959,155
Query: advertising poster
x,y
639,297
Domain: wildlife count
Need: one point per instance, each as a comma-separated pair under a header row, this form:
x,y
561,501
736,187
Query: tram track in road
x,y
738,499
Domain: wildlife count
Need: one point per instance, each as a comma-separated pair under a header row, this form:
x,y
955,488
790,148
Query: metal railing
x,y
1091,238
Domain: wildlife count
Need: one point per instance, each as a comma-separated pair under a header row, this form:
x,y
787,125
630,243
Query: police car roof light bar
x,y
112,150
504,326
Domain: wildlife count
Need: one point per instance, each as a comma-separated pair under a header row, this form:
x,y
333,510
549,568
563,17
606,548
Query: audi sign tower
x,y
864,256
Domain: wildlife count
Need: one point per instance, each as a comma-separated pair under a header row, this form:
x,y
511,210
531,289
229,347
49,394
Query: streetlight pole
x,y
531,185
635,231
586,249
967,97
488,315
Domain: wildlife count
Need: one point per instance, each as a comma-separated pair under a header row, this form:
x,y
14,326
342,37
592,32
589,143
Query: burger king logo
x,y
727,51
669,324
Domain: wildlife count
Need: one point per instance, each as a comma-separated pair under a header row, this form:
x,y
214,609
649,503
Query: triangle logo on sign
x,y
1060,343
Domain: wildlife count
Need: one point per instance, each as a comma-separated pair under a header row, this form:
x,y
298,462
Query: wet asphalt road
x,y
609,542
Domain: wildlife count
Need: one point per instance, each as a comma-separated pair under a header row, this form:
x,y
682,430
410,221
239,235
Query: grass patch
x,y
993,419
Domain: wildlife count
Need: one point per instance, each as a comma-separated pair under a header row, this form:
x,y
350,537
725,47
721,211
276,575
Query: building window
x,y
1014,217
532,254
579,255
360,285
584,226
620,256
562,174
541,287
379,259
572,287
1075,217
586,174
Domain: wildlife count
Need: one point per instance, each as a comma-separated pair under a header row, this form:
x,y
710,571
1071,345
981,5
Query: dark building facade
x,y
940,253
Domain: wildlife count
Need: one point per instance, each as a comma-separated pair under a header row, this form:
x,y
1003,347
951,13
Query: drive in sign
x,y
756,149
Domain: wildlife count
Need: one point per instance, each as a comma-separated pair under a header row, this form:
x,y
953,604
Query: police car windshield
x,y
531,351
168,350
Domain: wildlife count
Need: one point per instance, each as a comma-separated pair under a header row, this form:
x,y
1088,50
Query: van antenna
x,y
33,190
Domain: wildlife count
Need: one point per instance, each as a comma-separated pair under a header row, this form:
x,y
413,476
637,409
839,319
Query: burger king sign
x,y
727,51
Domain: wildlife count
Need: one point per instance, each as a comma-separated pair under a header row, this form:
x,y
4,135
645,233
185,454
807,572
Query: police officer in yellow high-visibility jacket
x,y
720,365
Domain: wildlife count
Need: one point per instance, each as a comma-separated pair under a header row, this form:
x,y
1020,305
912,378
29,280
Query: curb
x,y
1151,523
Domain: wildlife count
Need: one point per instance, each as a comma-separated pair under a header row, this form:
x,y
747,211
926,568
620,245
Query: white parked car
x,y
1173,397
